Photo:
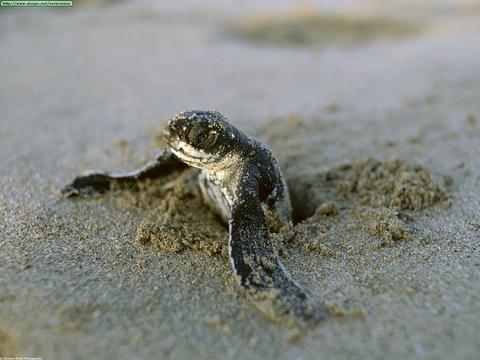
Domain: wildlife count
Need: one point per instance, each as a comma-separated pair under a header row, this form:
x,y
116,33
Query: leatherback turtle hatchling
x,y
242,179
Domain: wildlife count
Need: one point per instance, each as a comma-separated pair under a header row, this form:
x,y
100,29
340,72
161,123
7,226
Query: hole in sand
x,y
392,184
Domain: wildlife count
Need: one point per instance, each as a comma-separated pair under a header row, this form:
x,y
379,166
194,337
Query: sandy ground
x,y
90,87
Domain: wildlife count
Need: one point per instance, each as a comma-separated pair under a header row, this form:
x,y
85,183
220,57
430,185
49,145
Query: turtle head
x,y
200,137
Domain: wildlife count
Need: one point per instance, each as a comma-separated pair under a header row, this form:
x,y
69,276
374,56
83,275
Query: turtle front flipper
x,y
100,182
267,284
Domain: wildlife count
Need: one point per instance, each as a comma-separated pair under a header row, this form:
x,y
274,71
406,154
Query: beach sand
x,y
378,136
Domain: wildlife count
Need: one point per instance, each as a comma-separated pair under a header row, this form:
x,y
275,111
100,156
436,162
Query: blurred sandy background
x,y
324,83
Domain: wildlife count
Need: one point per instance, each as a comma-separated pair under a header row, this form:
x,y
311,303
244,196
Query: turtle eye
x,y
196,136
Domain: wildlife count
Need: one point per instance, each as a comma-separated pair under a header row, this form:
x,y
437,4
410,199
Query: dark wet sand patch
x,y
309,27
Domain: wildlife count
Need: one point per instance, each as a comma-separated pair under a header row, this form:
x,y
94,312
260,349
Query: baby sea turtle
x,y
242,180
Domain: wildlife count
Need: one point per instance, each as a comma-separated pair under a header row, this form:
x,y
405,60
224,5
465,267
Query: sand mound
x,y
393,184
175,216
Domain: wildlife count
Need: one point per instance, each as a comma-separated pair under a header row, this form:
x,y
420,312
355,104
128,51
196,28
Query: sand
x,y
378,139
